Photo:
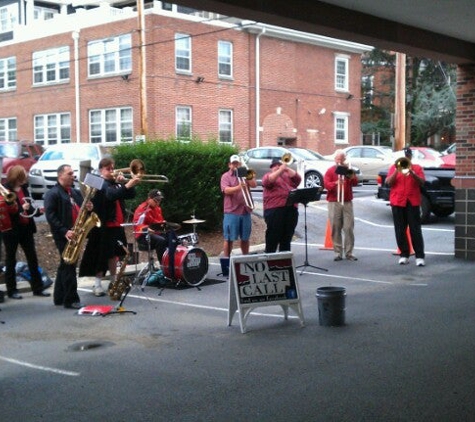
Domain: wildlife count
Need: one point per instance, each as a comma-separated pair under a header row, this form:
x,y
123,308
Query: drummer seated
x,y
150,226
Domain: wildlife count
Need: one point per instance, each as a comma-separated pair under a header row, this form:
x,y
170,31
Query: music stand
x,y
304,196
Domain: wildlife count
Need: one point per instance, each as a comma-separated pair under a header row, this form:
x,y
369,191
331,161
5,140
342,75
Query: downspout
x,y
75,36
258,86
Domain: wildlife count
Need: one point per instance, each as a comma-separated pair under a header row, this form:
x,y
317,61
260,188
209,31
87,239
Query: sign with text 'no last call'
x,y
262,280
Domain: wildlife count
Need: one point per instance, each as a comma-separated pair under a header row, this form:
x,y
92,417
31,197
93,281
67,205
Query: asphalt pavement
x,y
405,352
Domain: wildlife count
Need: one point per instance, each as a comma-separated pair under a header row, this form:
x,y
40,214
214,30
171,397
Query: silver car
x,y
43,174
370,160
314,164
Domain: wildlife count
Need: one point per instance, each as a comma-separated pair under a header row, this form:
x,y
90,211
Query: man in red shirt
x,y
405,199
281,219
339,181
146,215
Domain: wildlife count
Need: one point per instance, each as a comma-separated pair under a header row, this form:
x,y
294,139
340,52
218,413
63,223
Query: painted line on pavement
x,y
39,367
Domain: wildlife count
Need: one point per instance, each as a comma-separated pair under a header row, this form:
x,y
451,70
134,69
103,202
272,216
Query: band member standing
x,y
237,222
146,215
62,205
281,219
106,244
18,229
339,181
405,201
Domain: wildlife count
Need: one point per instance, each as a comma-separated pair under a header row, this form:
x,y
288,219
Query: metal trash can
x,y
331,306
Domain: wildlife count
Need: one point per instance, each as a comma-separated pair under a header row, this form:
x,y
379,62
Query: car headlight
x,y
35,172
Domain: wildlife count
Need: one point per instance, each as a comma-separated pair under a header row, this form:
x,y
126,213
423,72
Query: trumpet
x,y
137,169
244,174
404,165
10,197
287,158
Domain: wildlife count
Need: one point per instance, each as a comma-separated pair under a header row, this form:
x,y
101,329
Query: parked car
x,y
24,153
451,149
370,160
424,156
43,174
449,160
315,165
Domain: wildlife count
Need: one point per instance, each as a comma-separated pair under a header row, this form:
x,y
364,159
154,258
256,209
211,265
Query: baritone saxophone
x,y
84,223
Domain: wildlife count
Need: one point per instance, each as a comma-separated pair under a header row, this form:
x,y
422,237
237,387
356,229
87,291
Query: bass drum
x,y
191,265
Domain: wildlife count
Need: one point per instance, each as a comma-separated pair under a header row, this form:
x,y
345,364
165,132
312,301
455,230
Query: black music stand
x,y
304,196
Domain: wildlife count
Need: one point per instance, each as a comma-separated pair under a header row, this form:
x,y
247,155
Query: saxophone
x,y
84,223
121,283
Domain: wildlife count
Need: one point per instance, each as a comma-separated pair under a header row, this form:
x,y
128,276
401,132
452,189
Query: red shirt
x,y
233,203
405,188
275,194
150,216
330,182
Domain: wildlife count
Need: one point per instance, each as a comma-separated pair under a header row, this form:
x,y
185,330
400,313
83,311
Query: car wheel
x,y
425,210
313,180
443,212
37,195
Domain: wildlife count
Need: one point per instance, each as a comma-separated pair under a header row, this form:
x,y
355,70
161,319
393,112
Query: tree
x,y
430,96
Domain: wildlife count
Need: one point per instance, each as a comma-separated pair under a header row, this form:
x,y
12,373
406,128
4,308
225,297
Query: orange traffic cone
x,y
328,245
409,240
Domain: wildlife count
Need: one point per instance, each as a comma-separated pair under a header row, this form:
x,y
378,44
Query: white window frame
x,y
342,75
340,123
52,129
51,66
8,17
182,53
44,13
7,73
111,125
8,129
225,131
225,59
109,56
183,116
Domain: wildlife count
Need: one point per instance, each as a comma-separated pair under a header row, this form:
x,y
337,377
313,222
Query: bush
x,y
194,172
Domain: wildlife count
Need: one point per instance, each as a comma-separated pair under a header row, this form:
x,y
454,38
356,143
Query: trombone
x,y
404,165
244,174
137,169
8,196
287,158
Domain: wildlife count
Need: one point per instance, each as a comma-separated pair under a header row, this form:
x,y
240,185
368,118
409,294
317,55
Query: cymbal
x,y
193,221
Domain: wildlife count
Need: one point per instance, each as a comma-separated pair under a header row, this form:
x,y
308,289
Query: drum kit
x,y
185,263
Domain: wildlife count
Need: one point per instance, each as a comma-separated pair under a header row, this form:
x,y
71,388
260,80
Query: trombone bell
x,y
137,169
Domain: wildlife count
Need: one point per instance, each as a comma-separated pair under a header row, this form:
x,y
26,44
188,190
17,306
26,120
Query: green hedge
x,y
194,172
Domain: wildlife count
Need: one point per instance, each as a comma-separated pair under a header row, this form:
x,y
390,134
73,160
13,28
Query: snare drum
x,y
191,265
188,239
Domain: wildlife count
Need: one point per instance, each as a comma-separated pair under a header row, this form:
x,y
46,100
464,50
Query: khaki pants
x,y
342,220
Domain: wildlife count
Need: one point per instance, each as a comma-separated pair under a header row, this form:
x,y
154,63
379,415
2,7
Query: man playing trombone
x,y
405,180
237,206
339,181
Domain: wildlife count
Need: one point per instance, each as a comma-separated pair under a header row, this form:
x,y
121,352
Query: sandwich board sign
x,y
262,280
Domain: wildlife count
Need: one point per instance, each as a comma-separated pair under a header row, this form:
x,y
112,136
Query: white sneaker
x,y
403,261
98,291
420,262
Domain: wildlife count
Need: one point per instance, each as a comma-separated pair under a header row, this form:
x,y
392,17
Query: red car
x,y
24,153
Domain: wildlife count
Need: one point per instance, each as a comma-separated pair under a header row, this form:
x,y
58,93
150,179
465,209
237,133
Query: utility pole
x,y
142,70
400,102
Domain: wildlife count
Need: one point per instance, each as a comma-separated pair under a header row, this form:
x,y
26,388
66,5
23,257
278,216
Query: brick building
x,y
104,74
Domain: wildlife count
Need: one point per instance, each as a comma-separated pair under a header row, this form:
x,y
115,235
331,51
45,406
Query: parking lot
x,y
405,352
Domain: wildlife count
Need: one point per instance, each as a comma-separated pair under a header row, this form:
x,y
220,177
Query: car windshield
x,y
78,153
306,154
9,150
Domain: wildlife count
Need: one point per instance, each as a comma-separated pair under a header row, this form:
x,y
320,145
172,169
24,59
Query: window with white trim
x,y
183,122
341,128
110,56
51,66
52,129
111,126
8,17
225,58
7,73
8,129
341,73
182,53
226,126
44,13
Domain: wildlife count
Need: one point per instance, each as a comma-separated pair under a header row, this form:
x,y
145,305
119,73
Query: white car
x,y
43,175
314,164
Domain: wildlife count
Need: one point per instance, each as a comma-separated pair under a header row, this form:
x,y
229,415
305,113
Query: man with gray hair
x,y
339,181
